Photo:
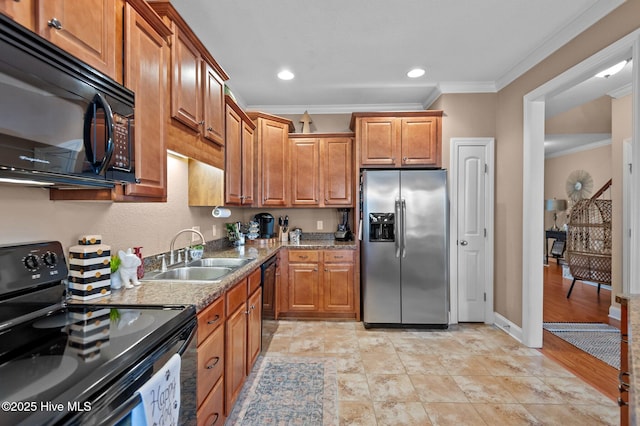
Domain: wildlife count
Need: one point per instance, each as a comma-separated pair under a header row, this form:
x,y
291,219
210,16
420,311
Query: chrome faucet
x,y
173,241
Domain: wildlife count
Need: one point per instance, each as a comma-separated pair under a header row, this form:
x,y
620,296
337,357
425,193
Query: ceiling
x,y
353,55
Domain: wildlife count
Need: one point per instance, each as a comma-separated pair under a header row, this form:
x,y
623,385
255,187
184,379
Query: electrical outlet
x,y
214,230
194,236
319,225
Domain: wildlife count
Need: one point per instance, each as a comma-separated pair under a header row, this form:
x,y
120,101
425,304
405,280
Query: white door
x,y
473,206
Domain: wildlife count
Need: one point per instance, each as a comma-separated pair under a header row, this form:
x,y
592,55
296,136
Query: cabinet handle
x,y
326,270
624,384
215,362
315,270
404,159
303,257
214,320
246,312
338,257
54,23
209,129
622,402
201,123
216,416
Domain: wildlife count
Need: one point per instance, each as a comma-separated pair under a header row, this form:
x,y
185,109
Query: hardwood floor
x,y
584,305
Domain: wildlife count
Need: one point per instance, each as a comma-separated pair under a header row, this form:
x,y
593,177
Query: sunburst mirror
x,y
579,185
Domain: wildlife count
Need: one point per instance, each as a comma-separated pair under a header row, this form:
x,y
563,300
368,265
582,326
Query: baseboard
x,y
508,327
615,312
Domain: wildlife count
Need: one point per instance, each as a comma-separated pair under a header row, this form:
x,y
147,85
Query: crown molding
x,y
335,109
589,17
585,147
621,91
449,87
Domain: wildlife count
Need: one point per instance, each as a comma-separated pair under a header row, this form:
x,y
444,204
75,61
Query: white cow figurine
x,y
129,268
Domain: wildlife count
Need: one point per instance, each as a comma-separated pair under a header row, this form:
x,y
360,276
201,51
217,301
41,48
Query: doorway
x,y
471,256
533,172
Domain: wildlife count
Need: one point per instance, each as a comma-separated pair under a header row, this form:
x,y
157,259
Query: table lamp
x,y
555,206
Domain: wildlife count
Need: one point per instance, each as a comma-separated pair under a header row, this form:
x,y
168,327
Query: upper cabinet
x,y
239,158
197,93
20,11
86,29
402,139
321,170
272,149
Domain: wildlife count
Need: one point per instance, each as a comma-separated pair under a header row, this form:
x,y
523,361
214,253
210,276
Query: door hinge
x,y
485,297
485,232
630,168
486,168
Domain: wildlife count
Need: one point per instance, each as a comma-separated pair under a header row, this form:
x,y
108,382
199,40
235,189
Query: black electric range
x,y
68,363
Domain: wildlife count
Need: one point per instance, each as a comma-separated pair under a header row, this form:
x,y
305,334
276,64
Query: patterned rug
x,y
600,340
289,391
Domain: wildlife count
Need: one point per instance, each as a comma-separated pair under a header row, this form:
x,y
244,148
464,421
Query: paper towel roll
x,y
221,212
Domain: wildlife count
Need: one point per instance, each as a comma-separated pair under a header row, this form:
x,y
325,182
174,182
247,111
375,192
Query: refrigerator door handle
x,y
404,228
396,230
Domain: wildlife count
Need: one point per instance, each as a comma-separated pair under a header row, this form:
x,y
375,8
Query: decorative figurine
x,y
306,123
129,268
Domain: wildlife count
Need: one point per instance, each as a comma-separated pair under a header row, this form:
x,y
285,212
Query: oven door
x,y
120,404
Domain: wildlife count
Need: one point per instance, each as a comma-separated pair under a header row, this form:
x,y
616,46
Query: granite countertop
x,y
201,294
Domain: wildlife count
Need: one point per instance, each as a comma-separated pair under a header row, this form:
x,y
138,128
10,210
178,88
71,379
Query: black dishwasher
x,y
268,278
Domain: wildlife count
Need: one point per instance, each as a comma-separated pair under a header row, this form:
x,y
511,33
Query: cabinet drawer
x,y
211,411
303,256
210,363
236,296
254,281
210,318
338,256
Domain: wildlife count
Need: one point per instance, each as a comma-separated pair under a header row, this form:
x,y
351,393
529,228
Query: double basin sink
x,y
208,269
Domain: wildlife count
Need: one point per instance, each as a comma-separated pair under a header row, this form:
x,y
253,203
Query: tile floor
x,y
467,375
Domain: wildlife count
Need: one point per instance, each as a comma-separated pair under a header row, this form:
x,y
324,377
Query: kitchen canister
x,y
89,268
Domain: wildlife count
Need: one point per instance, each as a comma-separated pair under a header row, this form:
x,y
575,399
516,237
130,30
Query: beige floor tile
x,y
452,414
382,363
531,390
566,414
506,414
573,390
605,413
464,365
505,365
353,413
446,345
375,344
337,345
422,364
349,363
437,388
541,366
401,414
484,389
353,387
306,345
414,346
391,387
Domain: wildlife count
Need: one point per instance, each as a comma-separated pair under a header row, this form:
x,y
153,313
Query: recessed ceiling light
x,y
285,75
612,70
415,73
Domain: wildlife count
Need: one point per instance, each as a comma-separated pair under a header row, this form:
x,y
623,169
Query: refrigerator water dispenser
x,y
381,227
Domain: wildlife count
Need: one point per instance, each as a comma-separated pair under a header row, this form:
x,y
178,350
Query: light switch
x,y
319,225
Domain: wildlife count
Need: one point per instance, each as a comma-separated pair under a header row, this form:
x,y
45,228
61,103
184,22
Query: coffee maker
x,y
266,221
343,233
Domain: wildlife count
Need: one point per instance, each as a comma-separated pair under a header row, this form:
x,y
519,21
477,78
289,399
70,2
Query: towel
x,y
161,395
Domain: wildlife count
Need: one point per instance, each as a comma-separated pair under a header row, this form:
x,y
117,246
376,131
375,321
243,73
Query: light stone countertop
x,y
201,294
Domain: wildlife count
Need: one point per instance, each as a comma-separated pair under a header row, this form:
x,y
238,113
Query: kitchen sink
x,y
225,262
190,273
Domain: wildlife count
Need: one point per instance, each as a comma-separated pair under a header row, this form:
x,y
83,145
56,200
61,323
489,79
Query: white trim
x,y
433,96
627,161
467,87
615,312
592,15
533,177
489,144
508,327
334,109
585,147
621,92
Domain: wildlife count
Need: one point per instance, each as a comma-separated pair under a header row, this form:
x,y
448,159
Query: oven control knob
x,y
31,262
50,259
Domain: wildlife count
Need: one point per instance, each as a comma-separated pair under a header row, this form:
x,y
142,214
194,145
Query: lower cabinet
x,y
210,377
320,283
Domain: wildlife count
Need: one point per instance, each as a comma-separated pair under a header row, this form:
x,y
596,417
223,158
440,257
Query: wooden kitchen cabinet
x,y
210,364
20,11
239,158
399,139
271,140
86,29
321,170
235,343
254,319
319,284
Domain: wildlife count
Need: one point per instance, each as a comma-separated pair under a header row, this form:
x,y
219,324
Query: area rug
x,y
289,391
597,339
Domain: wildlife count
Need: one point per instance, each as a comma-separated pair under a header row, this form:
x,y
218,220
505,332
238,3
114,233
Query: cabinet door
x,y
274,153
305,171
146,56
186,90
211,412
420,142
337,285
20,11
233,158
254,328
210,364
337,171
247,164
378,141
235,355
304,287
213,103
86,29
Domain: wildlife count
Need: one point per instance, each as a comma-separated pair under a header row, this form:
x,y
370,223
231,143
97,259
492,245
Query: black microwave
x,y
62,122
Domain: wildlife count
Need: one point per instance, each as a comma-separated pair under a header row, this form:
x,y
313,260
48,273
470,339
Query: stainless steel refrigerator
x,y
404,248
